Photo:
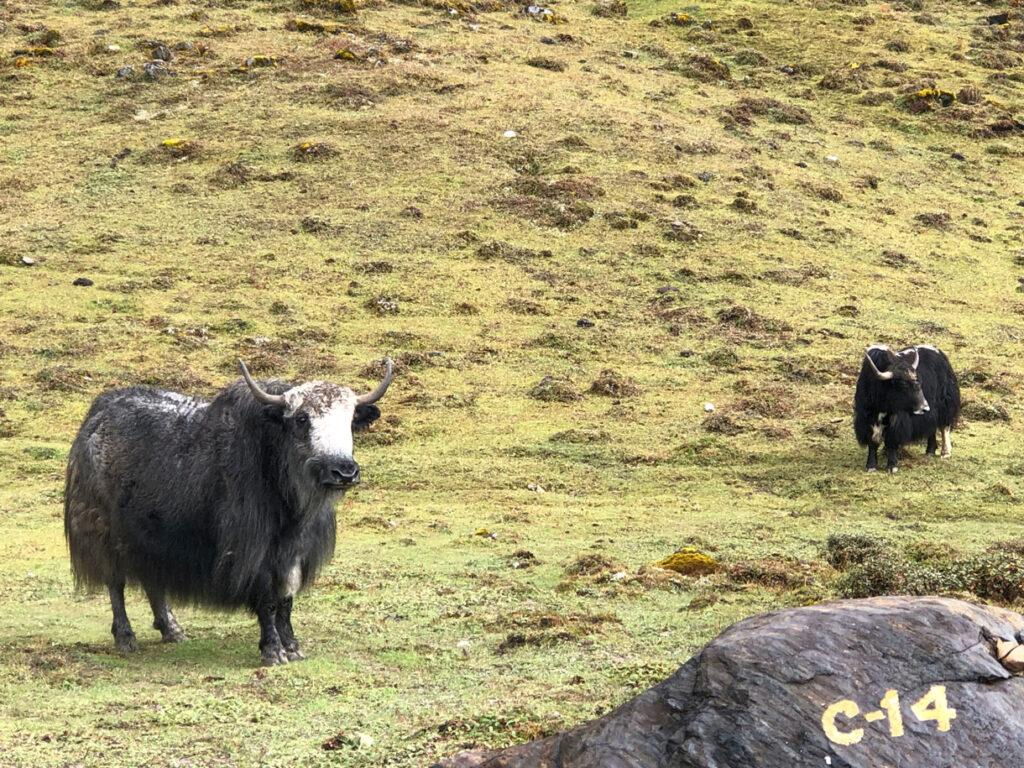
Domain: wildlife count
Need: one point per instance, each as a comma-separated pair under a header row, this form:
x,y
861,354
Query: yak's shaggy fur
x,y
219,503
902,398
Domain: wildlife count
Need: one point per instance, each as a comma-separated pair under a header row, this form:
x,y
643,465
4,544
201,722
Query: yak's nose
x,y
339,473
924,407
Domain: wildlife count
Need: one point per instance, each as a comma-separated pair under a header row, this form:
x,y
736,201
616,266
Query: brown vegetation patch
x,y
705,68
312,151
977,411
848,79
771,401
498,249
783,573
936,220
750,323
581,436
61,378
613,384
749,107
553,390
720,424
546,62
823,192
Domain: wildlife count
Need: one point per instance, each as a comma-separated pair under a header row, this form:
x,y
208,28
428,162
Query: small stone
x,y
832,159
82,281
28,261
584,322
688,353
708,407
705,176
125,72
162,53
630,55
787,70
363,741
535,487
510,134
958,156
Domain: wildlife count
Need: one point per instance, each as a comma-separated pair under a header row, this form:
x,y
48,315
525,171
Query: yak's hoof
x,y
126,643
271,657
294,655
892,470
172,632
945,455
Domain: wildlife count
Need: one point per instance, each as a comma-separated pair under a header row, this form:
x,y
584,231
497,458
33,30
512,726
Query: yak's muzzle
x,y
334,473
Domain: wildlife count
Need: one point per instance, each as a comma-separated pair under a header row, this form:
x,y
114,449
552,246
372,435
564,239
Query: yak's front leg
x,y
891,459
265,608
872,457
284,630
933,445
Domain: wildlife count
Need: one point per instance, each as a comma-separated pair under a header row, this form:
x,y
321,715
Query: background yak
x,y
904,397
228,503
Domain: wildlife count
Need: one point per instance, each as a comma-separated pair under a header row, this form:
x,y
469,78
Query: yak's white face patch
x,y
330,409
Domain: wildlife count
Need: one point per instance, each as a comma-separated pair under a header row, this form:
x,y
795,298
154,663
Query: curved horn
x,y
878,374
258,393
917,359
378,393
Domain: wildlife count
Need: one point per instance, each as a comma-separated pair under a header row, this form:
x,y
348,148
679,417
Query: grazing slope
x,y
570,237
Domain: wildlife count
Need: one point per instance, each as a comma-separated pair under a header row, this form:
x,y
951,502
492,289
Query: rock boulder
x,y
891,681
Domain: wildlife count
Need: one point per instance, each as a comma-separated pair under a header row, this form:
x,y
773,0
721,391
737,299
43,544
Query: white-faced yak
x,y
903,397
228,502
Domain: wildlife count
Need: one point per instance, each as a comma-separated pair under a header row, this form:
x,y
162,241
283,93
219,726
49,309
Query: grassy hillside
x,y
656,206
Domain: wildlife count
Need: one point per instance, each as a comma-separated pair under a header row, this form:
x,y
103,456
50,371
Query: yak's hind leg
x,y
283,619
933,445
163,619
121,629
947,444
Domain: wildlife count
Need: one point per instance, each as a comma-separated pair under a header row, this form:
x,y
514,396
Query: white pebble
x,y
510,134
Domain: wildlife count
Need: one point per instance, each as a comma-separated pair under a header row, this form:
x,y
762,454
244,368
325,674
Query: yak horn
x,y
258,393
917,359
878,374
378,393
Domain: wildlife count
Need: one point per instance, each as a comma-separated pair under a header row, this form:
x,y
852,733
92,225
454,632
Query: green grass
x,y
818,237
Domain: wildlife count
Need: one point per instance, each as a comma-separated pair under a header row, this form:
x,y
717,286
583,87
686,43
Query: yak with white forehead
x,y
903,397
228,502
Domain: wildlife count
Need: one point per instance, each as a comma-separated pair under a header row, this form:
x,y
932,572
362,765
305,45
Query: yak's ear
x,y
364,416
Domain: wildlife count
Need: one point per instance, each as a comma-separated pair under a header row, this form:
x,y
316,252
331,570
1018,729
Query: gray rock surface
x,y
890,681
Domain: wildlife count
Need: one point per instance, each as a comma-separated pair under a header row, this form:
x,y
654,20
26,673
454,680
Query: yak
x,y
903,397
226,503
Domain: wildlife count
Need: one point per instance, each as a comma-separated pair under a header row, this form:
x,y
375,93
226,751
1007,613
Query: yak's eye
x,y
302,419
